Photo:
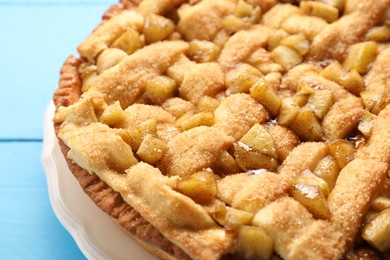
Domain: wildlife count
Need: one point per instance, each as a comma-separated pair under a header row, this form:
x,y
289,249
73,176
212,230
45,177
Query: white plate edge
x,y
69,222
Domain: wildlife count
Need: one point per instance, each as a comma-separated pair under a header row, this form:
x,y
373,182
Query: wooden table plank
x,y
28,226
35,42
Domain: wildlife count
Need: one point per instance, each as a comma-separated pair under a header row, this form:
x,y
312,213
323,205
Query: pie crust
x,y
231,129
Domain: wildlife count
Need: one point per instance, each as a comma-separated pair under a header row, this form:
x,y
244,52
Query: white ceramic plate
x,y
97,235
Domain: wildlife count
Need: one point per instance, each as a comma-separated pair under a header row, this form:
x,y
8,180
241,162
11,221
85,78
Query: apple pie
x,y
235,129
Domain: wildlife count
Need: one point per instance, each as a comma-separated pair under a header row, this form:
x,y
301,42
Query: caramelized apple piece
x,y
320,102
312,198
380,203
180,68
268,68
334,72
288,111
135,135
377,232
200,186
248,158
378,34
360,56
311,192
151,149
339,4
128,42
157,28
221,38
243,9
328,170
113,115
217,210
229,217
247,11
325,11
109,58
286,57
306,125
303,93
202,118
370,100
232,24
235,217
241,78
382,102
254,243
342,151
159,89
256,149
261,59
203,51
353,82
259,139
263,92
366,124
309,178
226,164
276,38
207,104
183,118
298,42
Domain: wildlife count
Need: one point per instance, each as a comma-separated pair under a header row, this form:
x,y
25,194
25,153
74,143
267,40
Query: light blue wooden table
x,y
36,36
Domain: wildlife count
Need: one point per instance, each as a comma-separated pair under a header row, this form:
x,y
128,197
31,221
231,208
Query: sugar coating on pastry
x,y
235,129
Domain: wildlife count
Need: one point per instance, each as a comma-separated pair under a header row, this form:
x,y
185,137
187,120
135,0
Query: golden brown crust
x,y
105,197
69,87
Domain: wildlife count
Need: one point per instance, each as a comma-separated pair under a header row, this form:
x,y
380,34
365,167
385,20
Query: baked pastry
x,y
236,129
